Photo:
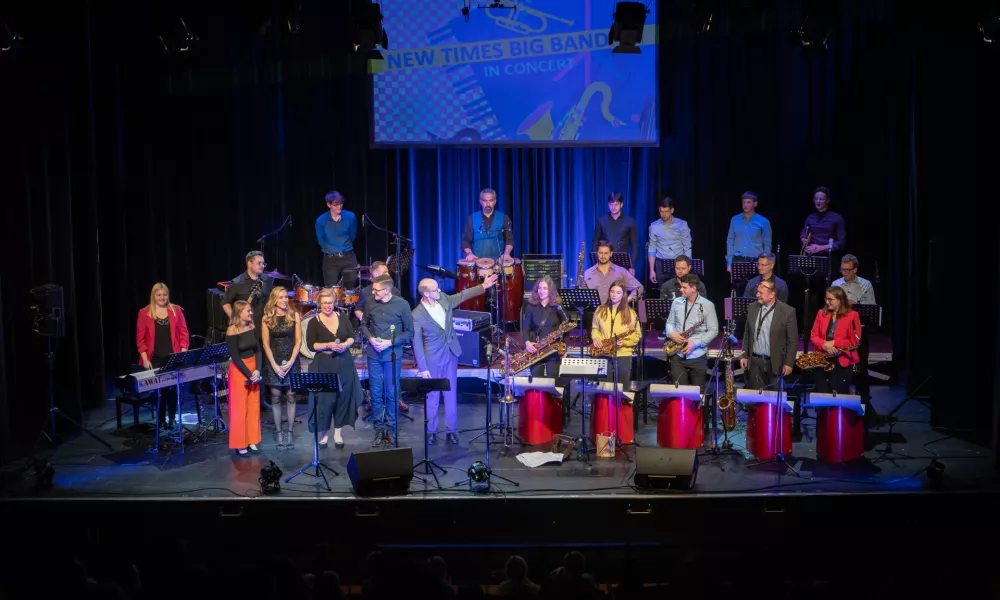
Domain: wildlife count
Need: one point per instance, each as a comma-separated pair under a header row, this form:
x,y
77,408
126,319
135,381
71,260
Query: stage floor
x,y
209,470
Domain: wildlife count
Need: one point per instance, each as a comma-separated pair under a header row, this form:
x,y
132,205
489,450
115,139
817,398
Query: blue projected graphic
x,y
542,74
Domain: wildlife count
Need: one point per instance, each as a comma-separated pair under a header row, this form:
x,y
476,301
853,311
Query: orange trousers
x,y
244,407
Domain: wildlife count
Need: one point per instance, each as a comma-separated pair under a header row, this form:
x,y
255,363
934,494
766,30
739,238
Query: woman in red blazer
x,y
836,328
160,331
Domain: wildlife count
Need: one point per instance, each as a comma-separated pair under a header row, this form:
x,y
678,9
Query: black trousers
x,y
336,266
759,374
861,382
689,371
168,395
839,379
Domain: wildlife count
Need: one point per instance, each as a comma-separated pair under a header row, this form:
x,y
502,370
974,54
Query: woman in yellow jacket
x,y
616,319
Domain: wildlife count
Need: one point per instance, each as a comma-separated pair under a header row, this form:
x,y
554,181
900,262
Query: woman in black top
x,y
281,334
542,316
160,331
244,380
330,336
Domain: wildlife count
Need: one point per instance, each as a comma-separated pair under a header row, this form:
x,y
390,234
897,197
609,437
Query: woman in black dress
x,y
282,335
330,336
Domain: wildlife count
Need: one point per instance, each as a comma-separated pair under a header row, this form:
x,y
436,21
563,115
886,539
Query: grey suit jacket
x,y
784,333
431,343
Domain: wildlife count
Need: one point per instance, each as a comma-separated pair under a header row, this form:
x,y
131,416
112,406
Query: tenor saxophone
x,y
570,124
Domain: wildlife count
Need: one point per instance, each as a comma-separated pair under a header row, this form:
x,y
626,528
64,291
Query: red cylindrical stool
x,y
762,435
840,434
679,424
539,417
603,419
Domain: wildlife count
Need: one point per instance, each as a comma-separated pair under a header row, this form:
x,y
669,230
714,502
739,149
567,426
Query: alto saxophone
x,y
670,347
544,347
821,358
606,346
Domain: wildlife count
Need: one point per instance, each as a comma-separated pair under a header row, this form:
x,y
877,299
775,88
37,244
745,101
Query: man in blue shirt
x,y
691,312
749,234
669,237
335,231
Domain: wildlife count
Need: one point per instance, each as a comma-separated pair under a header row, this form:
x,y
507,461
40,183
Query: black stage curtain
x,y
130,167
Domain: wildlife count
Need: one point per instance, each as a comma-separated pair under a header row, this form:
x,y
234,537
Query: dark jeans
x,y
689,371
336,266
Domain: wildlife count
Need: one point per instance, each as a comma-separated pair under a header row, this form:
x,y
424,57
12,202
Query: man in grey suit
x,y
436,349
771,327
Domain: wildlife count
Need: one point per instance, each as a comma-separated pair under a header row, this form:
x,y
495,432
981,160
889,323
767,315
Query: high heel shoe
x,y
323,441
338,444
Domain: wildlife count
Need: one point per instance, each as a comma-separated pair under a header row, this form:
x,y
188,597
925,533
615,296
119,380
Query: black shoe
x,y
388,441
379,438
432,438
452,438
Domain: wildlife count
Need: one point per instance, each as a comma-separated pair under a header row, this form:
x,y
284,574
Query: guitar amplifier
x,y
473,345
470,320
217,318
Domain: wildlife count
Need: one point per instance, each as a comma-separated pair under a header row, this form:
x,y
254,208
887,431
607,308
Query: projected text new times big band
x,y
542,74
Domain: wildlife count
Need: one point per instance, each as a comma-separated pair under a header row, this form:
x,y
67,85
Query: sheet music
x,y
537,459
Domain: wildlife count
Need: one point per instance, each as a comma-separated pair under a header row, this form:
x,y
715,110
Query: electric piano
x,y
154,379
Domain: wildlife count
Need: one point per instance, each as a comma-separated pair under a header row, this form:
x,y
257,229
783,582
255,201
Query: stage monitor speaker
x,y
665,468
47,310
473,345
381,472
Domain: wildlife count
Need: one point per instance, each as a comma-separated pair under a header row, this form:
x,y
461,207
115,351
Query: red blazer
x,y
845,335
145,332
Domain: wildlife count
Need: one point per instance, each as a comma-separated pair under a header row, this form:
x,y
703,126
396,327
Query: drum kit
x,y
511,277
304,295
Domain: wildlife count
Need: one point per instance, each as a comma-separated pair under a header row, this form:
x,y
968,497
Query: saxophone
x,y
580,283
606,346
670,347
819,358
570,124
727,403
547,346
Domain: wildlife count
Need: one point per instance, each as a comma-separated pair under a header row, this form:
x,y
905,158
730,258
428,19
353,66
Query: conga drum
x,y
513,288
840,434
469,278
539,417
679,424
603,418
762,432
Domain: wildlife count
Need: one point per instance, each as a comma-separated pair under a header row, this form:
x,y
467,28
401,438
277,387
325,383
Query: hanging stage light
x,y
630,19
368,31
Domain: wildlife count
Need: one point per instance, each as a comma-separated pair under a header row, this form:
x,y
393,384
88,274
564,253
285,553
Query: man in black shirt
x,y
617,228
387,324
672,287
765,266
367,298
243,284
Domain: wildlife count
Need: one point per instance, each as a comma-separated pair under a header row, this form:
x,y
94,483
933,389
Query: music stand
x,y
216,353
583,368
697,267
742,272
179,361
772,399
870,315
622,259
581,299
807,266
313,383
419,385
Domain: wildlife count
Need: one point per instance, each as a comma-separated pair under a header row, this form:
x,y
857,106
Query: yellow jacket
x,y
601,330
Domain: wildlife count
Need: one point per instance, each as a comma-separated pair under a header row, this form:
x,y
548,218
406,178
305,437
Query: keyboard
x,y
154,379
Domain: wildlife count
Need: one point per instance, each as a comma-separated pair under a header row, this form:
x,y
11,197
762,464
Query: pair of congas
x,y
511,277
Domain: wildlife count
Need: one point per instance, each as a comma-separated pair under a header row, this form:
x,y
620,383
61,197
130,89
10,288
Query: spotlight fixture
x,y
270,478
816,27
10,39
934,475
989,28
43,473
703,15
479,473
368,31
179,40
629,21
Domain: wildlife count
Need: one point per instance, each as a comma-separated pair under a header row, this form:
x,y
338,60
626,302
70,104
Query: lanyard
x,y
763,317
687,311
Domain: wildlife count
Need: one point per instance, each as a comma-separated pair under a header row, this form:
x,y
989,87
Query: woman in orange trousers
x,y
244,381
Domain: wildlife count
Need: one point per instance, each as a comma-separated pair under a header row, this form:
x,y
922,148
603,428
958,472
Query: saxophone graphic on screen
x,y
538,125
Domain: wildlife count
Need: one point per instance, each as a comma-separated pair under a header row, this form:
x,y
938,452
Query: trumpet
x,y
511,20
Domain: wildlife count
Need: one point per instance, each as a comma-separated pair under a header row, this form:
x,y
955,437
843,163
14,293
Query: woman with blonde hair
x,y
615,318
281,335
330,336
160,331
244,380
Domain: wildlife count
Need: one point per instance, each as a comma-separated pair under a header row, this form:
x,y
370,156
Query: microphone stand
x,y
395,388
397,240
261,239
618,397
779,453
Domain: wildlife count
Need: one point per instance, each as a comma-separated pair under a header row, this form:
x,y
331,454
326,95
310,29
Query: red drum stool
x,y
539,417
840,426
603,419
762,434
679,424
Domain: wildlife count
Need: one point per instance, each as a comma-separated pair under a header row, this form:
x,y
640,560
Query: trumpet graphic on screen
x,y
538,24
538,125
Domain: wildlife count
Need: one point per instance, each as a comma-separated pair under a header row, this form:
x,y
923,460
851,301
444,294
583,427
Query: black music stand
x,y
314,383
740,305
582,299
419,385
216,353
178,361
742,272
870,315
697,267
622,259
655,308
808,267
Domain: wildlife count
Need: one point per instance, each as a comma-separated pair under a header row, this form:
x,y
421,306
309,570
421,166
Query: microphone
x,y
731,338
561,311
831,246
363,219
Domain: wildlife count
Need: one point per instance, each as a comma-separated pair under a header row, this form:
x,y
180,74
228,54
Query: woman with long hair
x,y
160,331
616,319
244,380
330,336
836,331
281,335
542,315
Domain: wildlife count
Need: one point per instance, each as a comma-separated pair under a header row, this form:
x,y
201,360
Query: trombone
x,y
510,21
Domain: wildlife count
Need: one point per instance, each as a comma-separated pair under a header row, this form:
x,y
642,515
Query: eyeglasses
x,y
847,270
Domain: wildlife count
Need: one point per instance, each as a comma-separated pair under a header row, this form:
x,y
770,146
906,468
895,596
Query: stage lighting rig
x,y
10,39
629,21
177,38
368,31
816,27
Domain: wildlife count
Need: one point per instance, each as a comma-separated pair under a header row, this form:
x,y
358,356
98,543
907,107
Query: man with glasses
x,y
859,291
387,324
771,328
242,284
765,266
436,349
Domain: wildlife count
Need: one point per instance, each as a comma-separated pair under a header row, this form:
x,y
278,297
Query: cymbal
x,y
276,275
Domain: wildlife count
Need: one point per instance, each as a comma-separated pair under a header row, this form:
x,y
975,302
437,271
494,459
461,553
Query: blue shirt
x,y
704,334
336,236
762,330
748,237
669,240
